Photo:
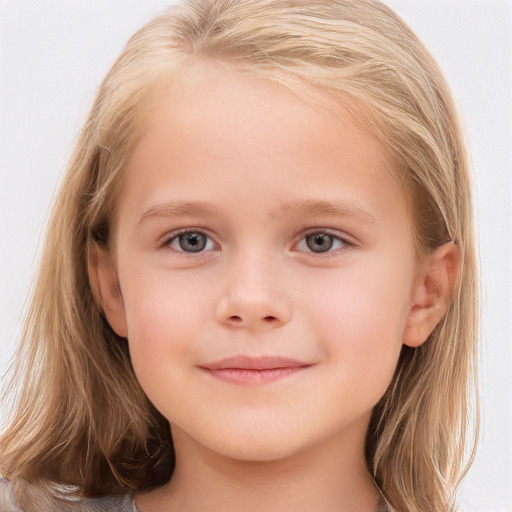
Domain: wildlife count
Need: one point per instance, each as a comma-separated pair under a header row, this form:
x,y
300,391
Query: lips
x,y
254,370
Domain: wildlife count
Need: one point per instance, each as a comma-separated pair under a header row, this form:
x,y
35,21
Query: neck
x,y
331,477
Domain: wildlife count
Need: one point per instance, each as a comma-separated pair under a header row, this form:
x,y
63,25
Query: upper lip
x,y
243,362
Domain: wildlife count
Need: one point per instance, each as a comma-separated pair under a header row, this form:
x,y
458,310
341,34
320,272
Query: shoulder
x,y
114,504
8,500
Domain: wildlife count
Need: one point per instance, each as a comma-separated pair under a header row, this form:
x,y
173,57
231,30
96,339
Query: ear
x,y
432,293
105,288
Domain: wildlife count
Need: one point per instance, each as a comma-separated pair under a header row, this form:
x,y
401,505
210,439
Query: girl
x,y
258,289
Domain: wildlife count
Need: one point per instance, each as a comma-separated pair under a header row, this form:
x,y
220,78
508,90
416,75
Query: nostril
x,y
237,319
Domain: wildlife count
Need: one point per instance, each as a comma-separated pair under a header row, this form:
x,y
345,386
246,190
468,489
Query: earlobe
x,y
105,289
432,293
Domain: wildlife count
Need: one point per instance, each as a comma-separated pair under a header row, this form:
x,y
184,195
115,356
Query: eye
x,y
190,241
321,242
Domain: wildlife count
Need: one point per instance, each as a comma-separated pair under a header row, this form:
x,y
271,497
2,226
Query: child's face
x,y
299,246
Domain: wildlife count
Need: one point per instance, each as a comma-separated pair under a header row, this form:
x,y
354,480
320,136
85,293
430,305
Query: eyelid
x,y
164,242
347,241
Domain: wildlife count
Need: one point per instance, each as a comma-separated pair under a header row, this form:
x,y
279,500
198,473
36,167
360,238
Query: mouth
x,y
254,370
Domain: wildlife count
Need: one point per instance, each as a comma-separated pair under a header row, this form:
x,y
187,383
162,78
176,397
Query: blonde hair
x,y
82,419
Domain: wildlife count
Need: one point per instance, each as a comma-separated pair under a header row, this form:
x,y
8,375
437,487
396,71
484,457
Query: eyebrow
x,y
319,207
178,209
303,207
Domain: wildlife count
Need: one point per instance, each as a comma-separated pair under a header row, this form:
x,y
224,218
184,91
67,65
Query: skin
x,y
256,157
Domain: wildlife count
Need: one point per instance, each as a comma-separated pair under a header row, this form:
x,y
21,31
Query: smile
x,y
254,370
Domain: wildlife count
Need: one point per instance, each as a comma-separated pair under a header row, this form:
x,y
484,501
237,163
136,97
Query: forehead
x,y
214,128
220,98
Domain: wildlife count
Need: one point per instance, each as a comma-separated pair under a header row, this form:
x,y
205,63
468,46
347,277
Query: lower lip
x,y
247,376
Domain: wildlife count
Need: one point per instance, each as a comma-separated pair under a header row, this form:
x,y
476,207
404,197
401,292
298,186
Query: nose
x,y
254,296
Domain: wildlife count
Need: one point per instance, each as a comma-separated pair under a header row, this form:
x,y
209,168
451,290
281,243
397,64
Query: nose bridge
x,y
254,295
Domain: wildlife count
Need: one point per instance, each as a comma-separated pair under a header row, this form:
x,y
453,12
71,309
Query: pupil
x,y
192,242
319,242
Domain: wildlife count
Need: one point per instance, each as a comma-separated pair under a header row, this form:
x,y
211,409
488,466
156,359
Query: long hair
x,y
81,422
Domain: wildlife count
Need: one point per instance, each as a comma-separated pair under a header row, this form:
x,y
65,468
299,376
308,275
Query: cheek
x,y
163,317
360,314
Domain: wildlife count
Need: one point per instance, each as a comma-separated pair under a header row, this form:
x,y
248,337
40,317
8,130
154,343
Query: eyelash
x,y
175,236
342,242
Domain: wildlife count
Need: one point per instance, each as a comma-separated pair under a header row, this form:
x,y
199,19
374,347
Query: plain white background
x,y
53,55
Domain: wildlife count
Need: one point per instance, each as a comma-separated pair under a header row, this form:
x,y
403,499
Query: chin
x,y
258,442
249,449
